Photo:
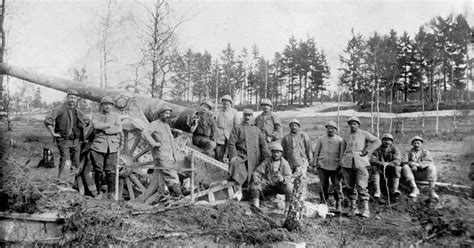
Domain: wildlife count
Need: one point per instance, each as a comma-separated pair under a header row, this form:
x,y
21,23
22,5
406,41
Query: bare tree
x,y
160,50
111,24
2,52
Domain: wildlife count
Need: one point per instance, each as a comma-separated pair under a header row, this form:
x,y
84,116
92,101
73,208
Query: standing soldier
x,y
269,123
205,132
272,176
418,164
159,136
297,147
327,155
386,159
66,124
246,147
226,119
356,146
107,129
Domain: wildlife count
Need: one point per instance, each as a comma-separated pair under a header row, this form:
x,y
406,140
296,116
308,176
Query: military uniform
x,y
226,120
205,134
104,147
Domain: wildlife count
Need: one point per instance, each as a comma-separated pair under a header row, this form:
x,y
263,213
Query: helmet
x,y
294,121
248,112
416,138
72,92
266,102
276,147
106,99
165,108
387,136
330,124
208,103
354,119
227,98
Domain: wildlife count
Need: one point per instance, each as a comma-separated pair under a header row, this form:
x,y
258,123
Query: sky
x,y
52,37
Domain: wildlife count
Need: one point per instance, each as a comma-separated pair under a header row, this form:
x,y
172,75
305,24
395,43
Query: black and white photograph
x,y
237,123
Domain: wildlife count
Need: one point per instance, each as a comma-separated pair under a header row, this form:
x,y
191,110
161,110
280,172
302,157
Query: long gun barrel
x,y
149,106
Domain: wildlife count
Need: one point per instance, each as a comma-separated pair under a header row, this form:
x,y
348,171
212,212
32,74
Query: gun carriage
x,y
139,180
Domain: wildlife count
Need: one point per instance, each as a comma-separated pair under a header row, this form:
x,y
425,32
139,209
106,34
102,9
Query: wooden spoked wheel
x,y
138,180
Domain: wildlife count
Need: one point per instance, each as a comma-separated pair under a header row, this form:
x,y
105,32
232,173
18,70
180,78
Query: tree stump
x,y
294,216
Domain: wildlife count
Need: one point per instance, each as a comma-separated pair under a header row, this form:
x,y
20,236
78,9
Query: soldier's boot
x,y
353,211
378,192
365,210
394,189
256,202
176,190
414,189
110,177
433,194
338,206
98,185
287,207
238,193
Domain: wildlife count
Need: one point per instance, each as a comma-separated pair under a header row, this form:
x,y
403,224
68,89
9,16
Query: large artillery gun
x,y
139,179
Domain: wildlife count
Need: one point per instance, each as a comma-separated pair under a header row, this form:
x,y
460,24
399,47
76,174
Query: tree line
x,y
395,68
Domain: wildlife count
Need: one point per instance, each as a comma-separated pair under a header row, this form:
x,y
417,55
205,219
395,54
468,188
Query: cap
x,y
106,99
276,147
331,124
72,92
355,119
208,103
248,112
227,98
416,138
266,102
165,108
294,121
387,136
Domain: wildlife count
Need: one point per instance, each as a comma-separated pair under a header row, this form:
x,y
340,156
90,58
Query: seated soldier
x,y
205,130
272,176
418,164
386,160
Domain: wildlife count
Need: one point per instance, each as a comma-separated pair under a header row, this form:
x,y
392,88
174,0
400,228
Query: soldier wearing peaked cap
x,y
272,176
327,155
247,148
297,147
227,119
356,147
107,130
386,161
418,164
164,150
66,124
269,123
205,130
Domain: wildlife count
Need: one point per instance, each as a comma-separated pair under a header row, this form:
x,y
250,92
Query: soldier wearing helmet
x,y
107,129
418,165
297,147
164,150
247,148
269,123
386,161
272,176
226,119
327,155
356,146
205,130
66,124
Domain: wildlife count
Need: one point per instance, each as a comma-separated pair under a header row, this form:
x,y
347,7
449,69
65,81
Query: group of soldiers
x,y
260,158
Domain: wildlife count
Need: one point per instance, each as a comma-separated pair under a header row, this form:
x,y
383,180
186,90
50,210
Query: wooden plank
x,y
211,197
230,191
137,182
192,177
135,144
125,142
130,188
46,217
